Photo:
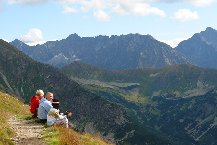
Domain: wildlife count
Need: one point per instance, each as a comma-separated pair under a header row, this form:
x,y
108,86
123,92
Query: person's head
x,y
39,93
49,96
56,103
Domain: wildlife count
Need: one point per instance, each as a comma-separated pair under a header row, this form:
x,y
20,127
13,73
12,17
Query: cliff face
x,y
201,48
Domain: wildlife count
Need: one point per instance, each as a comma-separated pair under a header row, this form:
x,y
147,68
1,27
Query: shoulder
x,y
48,103
53,110
33,97
42,100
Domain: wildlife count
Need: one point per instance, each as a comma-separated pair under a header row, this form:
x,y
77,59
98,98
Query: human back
x,y
34,102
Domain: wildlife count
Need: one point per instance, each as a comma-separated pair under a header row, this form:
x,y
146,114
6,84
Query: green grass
x,y
51,136
57,135
136,98
10,106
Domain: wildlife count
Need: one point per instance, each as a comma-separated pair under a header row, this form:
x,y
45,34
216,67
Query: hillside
x,y
21,75
179,101
115,52
177,80
11,106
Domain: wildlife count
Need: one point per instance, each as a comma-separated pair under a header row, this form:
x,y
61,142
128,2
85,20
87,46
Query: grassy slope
x,y
53,135
60,135
9,106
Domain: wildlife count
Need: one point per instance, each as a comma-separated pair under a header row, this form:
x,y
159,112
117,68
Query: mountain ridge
x,y
121,52
114,52
201,48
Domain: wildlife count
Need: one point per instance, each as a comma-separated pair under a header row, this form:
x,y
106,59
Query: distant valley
x,y
178,101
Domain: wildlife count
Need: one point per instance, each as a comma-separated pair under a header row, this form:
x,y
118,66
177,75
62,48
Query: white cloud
x,y
27,2
135,7
101,7
174,42
184,15
69,1
32,36
68,9
100,2
198,3
145,9
201,3
6,40
101,16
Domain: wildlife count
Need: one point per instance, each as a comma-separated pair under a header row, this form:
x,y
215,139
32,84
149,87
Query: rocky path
x,y
28,132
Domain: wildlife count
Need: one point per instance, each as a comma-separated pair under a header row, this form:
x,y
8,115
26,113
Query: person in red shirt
x,y
34,102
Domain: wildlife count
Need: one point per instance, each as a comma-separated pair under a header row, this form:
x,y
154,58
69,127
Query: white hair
x,y
39,93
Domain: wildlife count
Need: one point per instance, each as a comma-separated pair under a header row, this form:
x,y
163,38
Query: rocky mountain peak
x,y
201,48
73,37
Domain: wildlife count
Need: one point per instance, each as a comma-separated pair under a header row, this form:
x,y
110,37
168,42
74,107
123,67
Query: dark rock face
x,y
115,52
201,49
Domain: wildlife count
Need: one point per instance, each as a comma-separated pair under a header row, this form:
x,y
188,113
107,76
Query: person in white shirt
x,y
54,117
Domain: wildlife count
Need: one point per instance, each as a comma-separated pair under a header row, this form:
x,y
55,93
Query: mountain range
x,y
125,51
115,52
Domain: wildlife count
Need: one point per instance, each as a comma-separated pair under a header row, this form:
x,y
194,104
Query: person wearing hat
x,y
54,117
34,102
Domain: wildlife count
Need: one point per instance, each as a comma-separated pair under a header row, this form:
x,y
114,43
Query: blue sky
x,y
170,21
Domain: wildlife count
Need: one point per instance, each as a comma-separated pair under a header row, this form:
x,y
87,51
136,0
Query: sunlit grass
x,y
64,136
9,106
51,136
135,98
87,139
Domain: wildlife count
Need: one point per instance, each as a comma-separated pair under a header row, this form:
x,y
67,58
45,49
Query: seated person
x,y
44,107
34,102
54,117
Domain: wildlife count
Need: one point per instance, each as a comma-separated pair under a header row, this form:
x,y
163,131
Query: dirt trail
x,y
28,131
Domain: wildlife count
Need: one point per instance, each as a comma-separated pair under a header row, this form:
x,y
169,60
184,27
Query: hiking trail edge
x,y
28,132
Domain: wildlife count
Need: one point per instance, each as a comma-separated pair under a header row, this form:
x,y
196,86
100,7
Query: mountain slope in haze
x,y
115,52
177,80
179,101
201,48
21,75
